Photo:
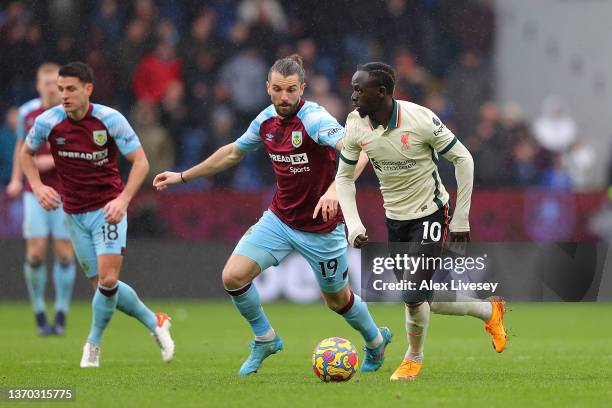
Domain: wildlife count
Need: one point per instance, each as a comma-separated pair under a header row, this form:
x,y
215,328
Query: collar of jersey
x,y
394,121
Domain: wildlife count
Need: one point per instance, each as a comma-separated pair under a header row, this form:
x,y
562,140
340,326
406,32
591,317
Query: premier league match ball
x,y
335,359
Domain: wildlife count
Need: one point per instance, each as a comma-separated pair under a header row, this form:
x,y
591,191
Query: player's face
x,y
285,92
74,93
46,85
366,96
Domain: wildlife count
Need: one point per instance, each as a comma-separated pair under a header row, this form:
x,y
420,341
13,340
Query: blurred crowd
x,y
190,76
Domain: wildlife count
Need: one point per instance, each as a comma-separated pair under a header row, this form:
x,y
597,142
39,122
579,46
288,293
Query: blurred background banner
x,y
526,86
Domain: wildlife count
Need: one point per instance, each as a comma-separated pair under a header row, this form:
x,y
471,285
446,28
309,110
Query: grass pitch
x,y
559,354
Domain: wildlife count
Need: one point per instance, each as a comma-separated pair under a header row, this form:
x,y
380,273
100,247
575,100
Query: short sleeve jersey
x,y
85,153
404,155
28,112
301,148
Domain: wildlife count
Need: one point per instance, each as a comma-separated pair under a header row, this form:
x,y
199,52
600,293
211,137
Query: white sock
x,y
269,336
377,341
414,357
464,306
417,321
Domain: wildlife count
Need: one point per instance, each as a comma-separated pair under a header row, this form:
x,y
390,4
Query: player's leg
x,y
36,232
490,311
407,237
326,254
64,269
110,239
105,297
35,273
262,246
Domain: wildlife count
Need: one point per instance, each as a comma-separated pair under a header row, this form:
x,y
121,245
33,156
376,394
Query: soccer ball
x,y
335,359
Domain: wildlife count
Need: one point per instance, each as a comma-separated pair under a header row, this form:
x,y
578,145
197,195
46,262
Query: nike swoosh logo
x,y
427,243
364,144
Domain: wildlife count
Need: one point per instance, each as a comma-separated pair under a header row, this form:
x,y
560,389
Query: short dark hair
x,y
78,70
288,66
382,73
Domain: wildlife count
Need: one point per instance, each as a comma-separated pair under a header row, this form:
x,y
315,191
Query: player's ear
x,y
268,88
89,89
302,87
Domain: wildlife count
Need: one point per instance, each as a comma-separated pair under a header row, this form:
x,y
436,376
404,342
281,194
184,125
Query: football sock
x,y
103,306
36,279
129,303
356,314
269,336
417,321
246,300
414,357
464,306
63,280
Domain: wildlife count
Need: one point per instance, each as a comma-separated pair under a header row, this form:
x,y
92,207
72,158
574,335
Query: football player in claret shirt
x,y
301,139
403,141
85,141
39,224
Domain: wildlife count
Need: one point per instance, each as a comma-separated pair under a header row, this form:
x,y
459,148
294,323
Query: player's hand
x,y
458,242
115,210
48,198
360,241
165,179
14,188
460,236
328,204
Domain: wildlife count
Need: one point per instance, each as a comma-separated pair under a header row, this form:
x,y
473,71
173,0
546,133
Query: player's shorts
x,y
92,236
40,223
270,240
421,237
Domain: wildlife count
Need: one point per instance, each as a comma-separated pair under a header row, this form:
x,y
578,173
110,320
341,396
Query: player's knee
x,y
413,298
232,278
335,304
65,260
35,260
108,281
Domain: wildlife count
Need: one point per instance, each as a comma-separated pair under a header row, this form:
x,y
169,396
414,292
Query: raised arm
x,y
224,158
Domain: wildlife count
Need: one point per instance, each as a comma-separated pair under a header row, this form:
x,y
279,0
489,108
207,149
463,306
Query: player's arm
x,y
224,158
448,146
115,210
48,198
15,186
328,203
345,186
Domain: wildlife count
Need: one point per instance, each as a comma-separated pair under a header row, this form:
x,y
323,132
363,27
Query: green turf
x,y
559,354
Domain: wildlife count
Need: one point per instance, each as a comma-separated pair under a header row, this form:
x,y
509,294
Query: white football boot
x,y
91,356
162,336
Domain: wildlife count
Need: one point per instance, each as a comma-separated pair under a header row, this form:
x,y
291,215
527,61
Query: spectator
x,y
468,87
555,130
155,72
242,76
154,138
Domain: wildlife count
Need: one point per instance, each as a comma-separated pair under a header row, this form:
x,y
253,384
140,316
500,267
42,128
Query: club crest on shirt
x,y
99,137
296,138
404,139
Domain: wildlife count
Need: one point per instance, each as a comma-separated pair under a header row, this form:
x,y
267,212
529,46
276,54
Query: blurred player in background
x,y
38,223
403,141
85,141
301,139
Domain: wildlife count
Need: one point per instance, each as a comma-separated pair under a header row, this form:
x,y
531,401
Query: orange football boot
x,y
408,370
495,325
